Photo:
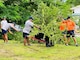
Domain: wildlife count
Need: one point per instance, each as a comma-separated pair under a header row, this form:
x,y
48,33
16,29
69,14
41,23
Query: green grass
x,y
16,51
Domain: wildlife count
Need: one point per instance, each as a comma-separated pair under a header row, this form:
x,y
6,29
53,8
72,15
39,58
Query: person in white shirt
x,y
4,25
26,30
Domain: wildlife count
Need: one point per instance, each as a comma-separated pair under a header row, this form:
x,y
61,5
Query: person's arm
x,y
36,26
33,25
12,26
75,29
10,31
0,25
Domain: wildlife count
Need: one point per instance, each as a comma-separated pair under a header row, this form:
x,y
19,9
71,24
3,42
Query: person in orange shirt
x,y
70,30
63,29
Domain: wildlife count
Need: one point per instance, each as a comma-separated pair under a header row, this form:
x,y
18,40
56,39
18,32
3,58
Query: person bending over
x,y
26,30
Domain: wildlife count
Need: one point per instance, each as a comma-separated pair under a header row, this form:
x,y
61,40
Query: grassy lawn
x,y
16,51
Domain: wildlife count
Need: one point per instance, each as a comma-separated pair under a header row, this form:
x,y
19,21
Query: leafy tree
x,y
49,17
73,2
46,17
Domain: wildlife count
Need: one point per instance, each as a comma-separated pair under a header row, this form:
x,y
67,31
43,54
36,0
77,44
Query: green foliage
x,y
47,14
65,10
18,36
0,34
79,23
14,11
10,36
49,17
20,10
73,2
2,8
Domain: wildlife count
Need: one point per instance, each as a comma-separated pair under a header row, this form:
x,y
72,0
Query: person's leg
x,y
3,38
75,41
68,40
73,36
28,42
25,41
6,37
65,39
68,37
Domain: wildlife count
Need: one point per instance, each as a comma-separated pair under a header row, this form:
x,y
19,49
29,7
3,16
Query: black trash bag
x,y
39,36
48,42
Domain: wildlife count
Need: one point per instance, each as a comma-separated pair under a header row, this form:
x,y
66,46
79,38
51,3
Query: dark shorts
x,y
25,35
64,32
4,31
70,33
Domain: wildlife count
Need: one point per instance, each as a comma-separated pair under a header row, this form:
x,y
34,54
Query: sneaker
x,y
66,44
29,44
76,45
48,46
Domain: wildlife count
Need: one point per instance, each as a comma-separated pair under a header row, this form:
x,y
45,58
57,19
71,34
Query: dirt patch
x,y
6,53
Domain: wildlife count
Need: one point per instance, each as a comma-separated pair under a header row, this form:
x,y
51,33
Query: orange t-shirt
x,y
70,25
63,25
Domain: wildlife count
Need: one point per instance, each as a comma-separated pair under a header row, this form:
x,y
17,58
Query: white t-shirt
x,y
28,26
11,25
4,25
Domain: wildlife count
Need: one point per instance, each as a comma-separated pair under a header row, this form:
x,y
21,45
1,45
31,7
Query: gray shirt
x,y
28,25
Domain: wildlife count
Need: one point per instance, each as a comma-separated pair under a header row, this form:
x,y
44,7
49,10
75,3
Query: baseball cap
x,y
68,17
31,17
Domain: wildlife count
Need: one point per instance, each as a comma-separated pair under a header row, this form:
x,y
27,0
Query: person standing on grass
x,y
26,30
63,29
70,30
4,25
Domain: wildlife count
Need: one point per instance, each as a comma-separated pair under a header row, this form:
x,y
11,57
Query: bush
x,y
0,35
18,36
10,36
